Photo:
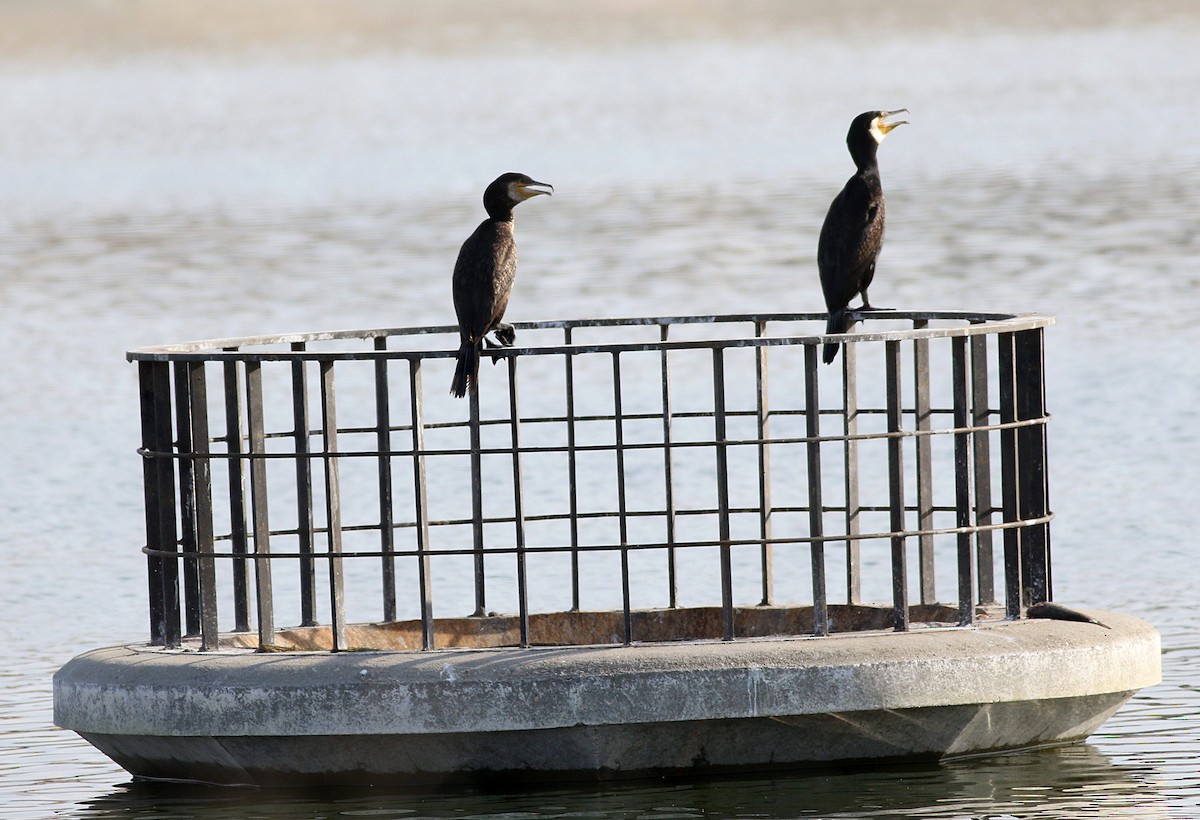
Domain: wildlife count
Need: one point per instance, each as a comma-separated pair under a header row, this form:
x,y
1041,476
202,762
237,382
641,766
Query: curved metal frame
x,y
752,443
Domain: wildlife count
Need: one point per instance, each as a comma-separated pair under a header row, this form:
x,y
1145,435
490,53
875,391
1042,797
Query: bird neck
x,y
497,203
866,161
499,211
864,150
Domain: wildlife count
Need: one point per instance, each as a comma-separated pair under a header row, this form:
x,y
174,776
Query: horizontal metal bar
x,y
615,547
600,448
594,515
232,349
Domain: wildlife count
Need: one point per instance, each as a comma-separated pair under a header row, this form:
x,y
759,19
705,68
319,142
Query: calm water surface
x,y
169,173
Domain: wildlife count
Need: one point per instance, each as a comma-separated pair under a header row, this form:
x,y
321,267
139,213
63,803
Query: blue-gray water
x,y
196,170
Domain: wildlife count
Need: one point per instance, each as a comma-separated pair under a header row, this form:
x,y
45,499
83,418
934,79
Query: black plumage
x,y
484,276
853,231
1057,612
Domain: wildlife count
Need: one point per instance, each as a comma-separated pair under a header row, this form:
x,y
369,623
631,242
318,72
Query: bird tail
x,y
466,374
836,324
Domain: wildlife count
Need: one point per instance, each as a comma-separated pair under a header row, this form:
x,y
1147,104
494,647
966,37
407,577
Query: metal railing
x,y
614,465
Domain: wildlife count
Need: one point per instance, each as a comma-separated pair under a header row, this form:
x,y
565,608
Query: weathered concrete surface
x,y
603,711
607,627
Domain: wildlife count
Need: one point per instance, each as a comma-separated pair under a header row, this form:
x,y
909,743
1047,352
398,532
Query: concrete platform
x,y
412,717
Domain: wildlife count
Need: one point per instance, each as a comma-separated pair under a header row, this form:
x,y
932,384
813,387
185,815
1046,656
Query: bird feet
x,y
506,336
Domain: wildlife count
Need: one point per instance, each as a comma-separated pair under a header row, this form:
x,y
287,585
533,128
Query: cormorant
x,y
853,231
484,275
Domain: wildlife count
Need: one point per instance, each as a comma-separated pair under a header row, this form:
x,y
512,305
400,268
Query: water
x,y
188,170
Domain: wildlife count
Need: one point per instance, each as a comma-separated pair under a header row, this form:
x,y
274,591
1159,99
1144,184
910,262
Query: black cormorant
x,y
853,231
484,275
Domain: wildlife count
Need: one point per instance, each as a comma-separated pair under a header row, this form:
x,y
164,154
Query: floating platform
x,y
400,718
689,556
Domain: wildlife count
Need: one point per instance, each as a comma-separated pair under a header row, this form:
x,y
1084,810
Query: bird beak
x,y
528,190
884,127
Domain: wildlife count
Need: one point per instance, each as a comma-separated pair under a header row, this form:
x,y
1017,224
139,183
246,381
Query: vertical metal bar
x,y
424,577
187,500
1031,465
514,419
767,558
1043,413
304,495
258,504
816,506
722,455
964,519
154,387
895,450
1013,582
333,506
383,438
982,457
237,496
622,521
924,447
668,477
206,570
572,475
477,505
850,454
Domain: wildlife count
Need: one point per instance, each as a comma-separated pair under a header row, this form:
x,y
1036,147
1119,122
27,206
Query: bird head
x,y
508,190
875,122
521,188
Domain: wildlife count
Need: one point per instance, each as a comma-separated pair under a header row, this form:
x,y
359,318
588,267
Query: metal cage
x,y
606,466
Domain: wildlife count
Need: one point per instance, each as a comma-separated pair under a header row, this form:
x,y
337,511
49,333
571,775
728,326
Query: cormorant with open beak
x,y
853,231
484,275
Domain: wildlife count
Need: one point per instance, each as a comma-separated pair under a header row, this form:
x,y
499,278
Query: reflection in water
x,y
1050,783
177,174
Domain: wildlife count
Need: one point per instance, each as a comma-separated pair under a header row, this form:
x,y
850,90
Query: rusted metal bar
x,y
239,543
1031,454
424,576
816,506
383,438
850,461
924,460
154,385
258,505
514,416
981,455
477,505
622,519
333,506
722,455
304,494
964,517
668,476
187,500
1010,494
763,408
572,473
895,451
206,569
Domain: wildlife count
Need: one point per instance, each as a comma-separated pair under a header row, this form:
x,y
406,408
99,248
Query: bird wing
x,y
476,284
850,240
